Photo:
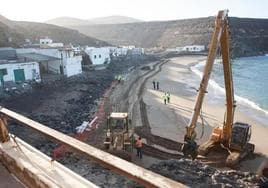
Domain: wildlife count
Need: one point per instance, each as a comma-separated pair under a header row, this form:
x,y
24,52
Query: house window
x,y
3,72
95,56
99,56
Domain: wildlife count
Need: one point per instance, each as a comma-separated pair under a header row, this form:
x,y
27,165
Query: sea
x,y
250,78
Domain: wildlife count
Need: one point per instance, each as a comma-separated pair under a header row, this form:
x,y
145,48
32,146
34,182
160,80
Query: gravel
x,y
196,174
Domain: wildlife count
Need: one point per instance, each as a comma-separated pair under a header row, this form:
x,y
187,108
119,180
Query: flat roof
x,y
18,61
38,57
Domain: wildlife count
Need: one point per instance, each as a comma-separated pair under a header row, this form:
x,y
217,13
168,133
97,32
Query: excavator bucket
x,y
190,149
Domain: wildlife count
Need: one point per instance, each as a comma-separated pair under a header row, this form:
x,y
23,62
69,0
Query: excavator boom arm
x,y
228,81
220,27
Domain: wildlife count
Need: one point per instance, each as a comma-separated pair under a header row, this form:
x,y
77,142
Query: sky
x,y
147,10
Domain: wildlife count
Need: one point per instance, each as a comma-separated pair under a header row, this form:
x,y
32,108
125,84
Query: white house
x,y
45,41
120,52
99,56
48,43
190,48
19,71
128,47
14,70
71,62
194,48
60,61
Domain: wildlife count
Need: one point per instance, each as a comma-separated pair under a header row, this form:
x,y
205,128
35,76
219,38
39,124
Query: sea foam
x,y
217,87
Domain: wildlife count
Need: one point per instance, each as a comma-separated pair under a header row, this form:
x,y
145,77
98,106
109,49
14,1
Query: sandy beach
x,y
169,120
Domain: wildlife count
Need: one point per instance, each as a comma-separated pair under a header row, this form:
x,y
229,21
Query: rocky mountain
x,y
69,21
14,33
249,36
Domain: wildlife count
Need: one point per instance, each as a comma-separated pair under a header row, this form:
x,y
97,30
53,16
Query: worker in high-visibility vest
x,y
168,97
165,98
139,147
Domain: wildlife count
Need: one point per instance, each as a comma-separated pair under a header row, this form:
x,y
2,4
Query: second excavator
x,y
230,136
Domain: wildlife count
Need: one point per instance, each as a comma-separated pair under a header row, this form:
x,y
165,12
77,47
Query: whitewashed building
x,y
98,56
130,47
120,52
48,43
190,48
194,48
14,71
59,61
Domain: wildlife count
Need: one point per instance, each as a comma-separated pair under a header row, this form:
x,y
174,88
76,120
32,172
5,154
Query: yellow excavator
x,y
233,137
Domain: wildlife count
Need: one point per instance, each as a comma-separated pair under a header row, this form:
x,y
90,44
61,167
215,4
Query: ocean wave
x,y
217,87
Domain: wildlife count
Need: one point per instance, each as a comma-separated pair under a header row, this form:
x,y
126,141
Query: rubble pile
x,y
196,174
97,174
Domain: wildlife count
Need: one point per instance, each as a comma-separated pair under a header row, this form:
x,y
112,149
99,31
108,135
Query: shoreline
x,y
169,121
249,114
249,106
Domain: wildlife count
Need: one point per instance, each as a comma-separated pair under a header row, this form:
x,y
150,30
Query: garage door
x,y
19,75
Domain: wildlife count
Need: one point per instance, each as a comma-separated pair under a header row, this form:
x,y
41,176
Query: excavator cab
x,y
241,133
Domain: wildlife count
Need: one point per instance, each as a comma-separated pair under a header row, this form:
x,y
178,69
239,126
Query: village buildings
x,y
188,48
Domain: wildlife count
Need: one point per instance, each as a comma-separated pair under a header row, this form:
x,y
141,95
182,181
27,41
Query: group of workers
x,y
155,85
166,97
119,78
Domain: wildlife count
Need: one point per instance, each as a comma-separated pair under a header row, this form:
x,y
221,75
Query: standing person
x,y
139,147
168,97
157,85
154,84
119,78
165,98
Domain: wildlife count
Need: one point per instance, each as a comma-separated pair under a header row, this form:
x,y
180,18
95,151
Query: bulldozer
x,y
119,136
230,136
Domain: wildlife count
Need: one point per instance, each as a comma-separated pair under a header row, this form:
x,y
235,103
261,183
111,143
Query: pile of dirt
x,y
196,174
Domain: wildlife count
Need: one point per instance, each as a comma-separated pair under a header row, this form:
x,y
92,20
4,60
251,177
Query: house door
x,y
19,75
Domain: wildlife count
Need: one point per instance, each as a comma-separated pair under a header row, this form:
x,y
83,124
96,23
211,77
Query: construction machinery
x,y
119,137
233,137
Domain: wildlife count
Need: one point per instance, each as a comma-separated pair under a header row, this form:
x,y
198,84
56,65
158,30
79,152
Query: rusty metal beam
x,y
125,168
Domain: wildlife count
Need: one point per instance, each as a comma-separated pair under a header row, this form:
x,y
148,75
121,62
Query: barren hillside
x,y
14,33
249,36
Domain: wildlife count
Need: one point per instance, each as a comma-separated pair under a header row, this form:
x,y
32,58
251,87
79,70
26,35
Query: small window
x,y
95,56
3,72
99,56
